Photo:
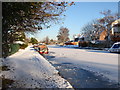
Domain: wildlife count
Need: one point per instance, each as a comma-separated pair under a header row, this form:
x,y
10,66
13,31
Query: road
x,y
85,68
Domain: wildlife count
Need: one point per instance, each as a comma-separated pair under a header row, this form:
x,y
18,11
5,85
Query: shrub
x,y
98,45
33,41
23,46
14,48
83,44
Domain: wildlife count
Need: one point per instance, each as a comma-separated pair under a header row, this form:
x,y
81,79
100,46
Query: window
x,y
116,46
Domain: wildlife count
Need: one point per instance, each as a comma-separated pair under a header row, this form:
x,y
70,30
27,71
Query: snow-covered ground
x,y
30,70
97,61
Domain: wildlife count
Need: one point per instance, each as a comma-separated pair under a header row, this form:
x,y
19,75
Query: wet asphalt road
x,y
80,78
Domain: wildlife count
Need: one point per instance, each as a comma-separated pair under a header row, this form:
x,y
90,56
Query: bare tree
x,y
106,21
63,35
95,27
47,40
90,30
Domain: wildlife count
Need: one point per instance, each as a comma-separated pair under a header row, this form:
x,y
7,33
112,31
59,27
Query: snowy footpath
x,y
102,63
29,69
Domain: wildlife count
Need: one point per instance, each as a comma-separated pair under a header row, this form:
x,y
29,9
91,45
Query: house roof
x,y
116,23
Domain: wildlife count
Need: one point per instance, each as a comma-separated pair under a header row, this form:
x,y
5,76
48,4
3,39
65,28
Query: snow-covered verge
x,y
100,62
30,70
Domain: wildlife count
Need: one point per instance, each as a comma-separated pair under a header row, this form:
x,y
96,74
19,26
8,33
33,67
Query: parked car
x,y
41,48
72,42
115,48
69,42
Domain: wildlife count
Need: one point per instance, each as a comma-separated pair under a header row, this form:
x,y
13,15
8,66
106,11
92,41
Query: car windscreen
x,y
116,46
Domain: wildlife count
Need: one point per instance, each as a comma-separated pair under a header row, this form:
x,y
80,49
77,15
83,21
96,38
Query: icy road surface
x,y
30,70
85,68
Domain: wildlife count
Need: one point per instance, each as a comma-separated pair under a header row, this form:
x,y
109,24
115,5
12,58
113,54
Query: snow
x,y
19,42
97,61
31,70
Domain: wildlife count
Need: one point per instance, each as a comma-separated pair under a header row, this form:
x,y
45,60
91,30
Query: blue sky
x,y
77,16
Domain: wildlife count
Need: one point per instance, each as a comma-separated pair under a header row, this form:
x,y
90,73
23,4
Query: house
x,y
114,32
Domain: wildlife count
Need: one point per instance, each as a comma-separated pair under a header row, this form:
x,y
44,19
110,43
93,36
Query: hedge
x,y
14,48
23,46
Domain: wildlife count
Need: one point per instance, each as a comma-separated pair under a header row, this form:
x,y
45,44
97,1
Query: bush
x,y
23,46
14,48
33,41
83,44
98,45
